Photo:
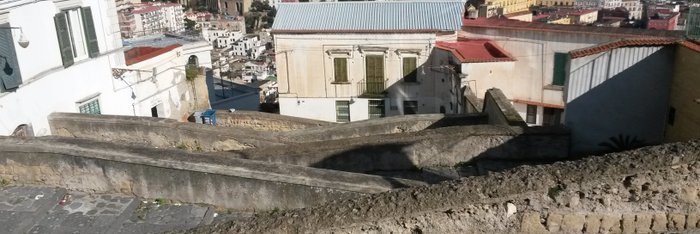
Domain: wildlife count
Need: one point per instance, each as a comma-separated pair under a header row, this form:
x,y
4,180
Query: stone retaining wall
x,y
94,166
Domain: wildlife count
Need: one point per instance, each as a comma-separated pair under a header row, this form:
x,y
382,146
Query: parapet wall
x,y
387,125
433,147
157,132
265,121
499,110
649,190
94,166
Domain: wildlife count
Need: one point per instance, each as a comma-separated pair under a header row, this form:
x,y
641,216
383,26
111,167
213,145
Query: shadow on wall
x,y
624,112
427,89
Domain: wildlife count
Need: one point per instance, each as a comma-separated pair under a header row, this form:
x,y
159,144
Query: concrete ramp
x,y
87,165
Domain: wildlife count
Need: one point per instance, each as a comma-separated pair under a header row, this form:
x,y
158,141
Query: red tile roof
x,y
475,50
621,43
504,23
693,45
140,54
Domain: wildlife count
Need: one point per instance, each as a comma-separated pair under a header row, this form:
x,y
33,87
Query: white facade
x,y
158,17
606,4
47,86
309,89
168,92
52,83
634,7
246,45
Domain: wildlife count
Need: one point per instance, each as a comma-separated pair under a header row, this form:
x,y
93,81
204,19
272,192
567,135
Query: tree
x,y
189,24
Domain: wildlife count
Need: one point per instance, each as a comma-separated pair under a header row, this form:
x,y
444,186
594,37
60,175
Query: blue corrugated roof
x,y
369,16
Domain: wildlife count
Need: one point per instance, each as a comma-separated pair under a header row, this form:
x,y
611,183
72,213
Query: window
x,y
376,109
90,107
410,107
76,35
551,116
409,69
342,111
531,117
559,75
340,69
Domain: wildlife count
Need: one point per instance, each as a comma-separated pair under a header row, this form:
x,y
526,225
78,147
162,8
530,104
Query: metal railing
x,y
371,88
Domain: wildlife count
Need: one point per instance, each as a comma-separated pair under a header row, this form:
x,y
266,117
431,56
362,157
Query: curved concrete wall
x,y
94,166
387,125
265,121
433,147
157,132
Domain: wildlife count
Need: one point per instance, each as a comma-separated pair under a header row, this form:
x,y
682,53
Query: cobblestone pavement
x,y
30,209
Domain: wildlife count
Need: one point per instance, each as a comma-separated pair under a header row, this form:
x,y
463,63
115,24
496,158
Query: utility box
x,y
209,117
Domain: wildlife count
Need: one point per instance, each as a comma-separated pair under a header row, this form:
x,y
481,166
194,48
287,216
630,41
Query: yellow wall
x,y
685,96
560,21
512,6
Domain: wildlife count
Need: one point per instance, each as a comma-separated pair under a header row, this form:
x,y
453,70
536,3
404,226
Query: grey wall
x,y
158,132
621,92
102,167
432,147
387,125
265,121
499,110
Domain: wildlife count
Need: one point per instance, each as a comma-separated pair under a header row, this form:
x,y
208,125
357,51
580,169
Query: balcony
x,y
371,89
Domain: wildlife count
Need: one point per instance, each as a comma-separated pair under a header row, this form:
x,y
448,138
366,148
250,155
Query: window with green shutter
x,y
10,77
409,69
559,75
77,38
90,107
342,111
90,35
341,69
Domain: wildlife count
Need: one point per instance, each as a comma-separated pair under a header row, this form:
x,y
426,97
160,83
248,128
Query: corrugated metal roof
x,y
369,16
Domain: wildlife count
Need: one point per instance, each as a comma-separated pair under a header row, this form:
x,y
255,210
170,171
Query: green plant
x,y
163,201
4,182
181,146
191,72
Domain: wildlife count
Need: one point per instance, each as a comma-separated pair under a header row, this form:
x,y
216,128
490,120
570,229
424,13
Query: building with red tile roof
x,y
475,50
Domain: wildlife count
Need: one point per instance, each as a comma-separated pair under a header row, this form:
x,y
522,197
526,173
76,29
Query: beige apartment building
x,y
333,66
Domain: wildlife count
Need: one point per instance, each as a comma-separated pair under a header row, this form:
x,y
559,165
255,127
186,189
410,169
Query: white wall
x,y
324,108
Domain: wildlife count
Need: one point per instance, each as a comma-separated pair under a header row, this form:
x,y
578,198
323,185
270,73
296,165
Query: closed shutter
x,y
409,69
341,69
90,35
559,75
10,77
64,43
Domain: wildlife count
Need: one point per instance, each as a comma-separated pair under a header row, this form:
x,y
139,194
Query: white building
x,y
634,7
330,68
67,65
246,45
605,4
65,68
153,18
157,74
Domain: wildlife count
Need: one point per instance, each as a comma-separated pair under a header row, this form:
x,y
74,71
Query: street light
x,y
23,41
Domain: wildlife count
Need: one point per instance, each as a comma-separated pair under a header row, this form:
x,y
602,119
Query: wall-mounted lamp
x,y
23,41
7,69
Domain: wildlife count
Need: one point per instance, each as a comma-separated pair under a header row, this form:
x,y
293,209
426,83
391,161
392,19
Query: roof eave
x,y
311,31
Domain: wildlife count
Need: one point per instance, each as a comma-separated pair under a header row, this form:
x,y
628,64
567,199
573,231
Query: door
x,y
374,68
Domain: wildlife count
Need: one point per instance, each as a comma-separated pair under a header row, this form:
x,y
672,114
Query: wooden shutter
x,y
409,69
90,35
64,43
341,69
10,77
559,75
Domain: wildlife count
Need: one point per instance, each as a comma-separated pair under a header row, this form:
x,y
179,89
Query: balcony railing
x,y
372,88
